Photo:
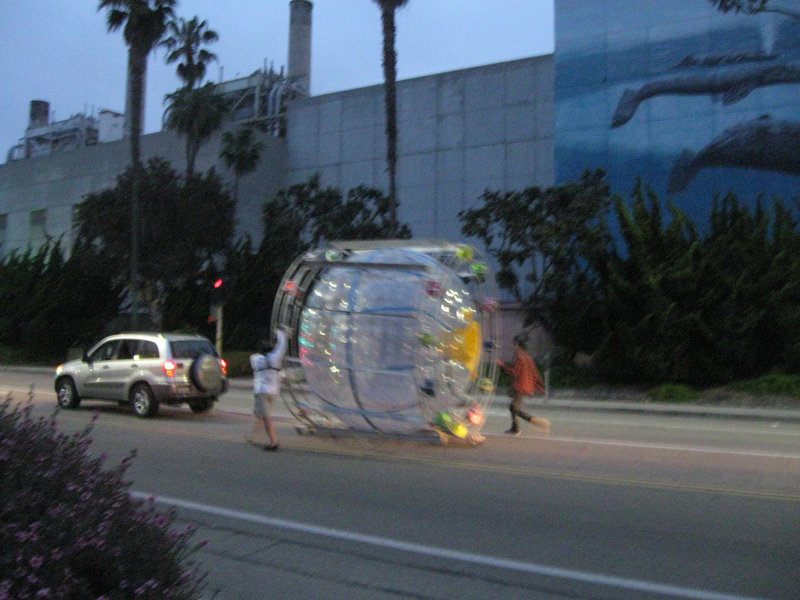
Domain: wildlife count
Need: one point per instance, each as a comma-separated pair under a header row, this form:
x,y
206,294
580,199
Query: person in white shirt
x,y
267,382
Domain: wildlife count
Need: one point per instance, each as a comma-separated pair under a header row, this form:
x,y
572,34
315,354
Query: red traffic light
x,y
218,284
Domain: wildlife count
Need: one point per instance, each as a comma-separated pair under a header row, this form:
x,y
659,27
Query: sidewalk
x,y
502,401
585,404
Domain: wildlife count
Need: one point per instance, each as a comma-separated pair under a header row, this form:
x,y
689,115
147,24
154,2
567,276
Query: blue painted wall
x,y
712,99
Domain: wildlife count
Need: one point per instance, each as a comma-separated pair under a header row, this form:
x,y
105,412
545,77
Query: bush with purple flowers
x,y
69,529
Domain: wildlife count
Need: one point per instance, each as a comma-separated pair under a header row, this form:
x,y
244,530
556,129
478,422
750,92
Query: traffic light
x,y
217,291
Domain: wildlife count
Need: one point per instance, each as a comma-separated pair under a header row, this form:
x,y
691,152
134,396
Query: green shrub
x,y
674,393
70,530
773,384
11,356
238,363
570,376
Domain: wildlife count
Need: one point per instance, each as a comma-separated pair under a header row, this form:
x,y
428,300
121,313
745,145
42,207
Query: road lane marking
x,y
447,553
137,424
675,447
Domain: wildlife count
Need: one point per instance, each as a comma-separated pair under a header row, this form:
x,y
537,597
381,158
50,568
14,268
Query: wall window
x,y
3,229
38,235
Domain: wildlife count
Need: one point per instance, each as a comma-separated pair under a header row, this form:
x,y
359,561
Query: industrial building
x,y
693,101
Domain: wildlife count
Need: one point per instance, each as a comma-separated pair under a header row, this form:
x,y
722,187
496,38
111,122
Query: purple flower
x,y
36,561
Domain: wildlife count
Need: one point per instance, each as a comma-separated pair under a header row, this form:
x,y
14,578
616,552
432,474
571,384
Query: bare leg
x,y
270,429
269,426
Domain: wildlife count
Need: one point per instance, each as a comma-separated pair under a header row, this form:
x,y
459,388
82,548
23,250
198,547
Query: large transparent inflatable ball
x,y
399,340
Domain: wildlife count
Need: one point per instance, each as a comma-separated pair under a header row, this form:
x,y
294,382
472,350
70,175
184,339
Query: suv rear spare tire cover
x,y
206,374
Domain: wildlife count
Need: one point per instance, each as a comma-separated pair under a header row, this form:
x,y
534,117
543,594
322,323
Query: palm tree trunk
x,y
390,84
137,70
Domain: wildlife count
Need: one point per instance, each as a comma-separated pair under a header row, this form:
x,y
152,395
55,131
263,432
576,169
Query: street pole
x,y
218,318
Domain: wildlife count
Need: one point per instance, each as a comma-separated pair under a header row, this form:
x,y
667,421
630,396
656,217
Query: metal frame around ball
x,y
314,413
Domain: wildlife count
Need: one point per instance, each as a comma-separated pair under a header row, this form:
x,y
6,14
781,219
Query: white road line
x,y
445,553
675,447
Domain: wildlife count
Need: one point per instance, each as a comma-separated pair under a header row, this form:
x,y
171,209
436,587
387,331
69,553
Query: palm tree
x,y
144,24
240,151
388,8
183,44
196,114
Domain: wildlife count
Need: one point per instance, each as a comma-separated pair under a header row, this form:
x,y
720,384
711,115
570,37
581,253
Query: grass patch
x,y
572,377
774,384
673,392
11,356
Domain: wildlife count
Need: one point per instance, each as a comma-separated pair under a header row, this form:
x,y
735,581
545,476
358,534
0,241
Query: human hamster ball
x,y
397,338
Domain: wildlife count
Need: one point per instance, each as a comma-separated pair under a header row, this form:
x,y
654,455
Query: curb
x,y
598,404
589,404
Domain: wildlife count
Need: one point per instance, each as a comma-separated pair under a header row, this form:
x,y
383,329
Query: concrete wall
x,y
59,181
459,133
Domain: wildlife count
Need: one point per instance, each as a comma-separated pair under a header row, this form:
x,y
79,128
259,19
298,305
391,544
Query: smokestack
x,y
299,67
39,114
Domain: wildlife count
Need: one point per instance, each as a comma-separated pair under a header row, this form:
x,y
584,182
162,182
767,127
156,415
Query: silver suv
x,y
143,370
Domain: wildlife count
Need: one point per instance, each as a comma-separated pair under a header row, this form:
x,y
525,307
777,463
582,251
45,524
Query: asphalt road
x,y
611,505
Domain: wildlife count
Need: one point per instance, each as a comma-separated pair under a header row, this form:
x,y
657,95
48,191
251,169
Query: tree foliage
x,y
702,309
241,153
69,528
143,23
754,7
196,114
321,215
303,216
49,304
661,302
550,246
186,224
184,46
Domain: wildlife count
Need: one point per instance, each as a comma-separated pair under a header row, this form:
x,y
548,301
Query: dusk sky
x,y
60,50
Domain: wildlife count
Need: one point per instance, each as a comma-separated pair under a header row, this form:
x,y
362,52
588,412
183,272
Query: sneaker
x,y
271,447
513,432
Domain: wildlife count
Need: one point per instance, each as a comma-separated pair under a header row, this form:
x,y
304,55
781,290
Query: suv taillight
x,y
169,368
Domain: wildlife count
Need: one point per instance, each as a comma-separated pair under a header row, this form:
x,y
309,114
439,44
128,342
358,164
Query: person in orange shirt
x,y
527,381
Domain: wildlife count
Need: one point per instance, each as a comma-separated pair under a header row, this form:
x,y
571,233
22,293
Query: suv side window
x,y
105,352
191,348
147,349
127,349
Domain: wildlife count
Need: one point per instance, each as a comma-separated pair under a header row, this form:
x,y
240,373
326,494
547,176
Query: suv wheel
x,y
142,400
66,393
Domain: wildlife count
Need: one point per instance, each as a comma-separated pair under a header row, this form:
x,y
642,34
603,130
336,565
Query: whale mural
x,y
762,143
727,86
694,101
